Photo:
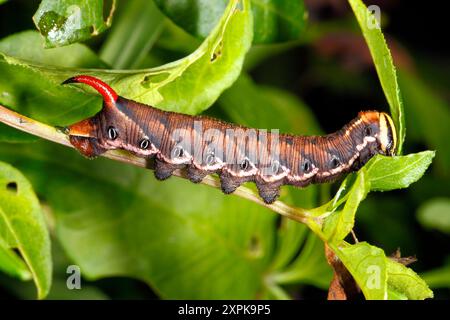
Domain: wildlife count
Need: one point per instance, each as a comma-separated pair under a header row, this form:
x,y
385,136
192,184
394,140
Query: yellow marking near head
x,y
388,134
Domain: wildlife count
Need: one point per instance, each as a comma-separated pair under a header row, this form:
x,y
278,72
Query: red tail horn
x,y
109,95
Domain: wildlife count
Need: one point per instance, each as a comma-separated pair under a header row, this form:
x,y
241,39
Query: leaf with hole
x,y
23,227
367,265
10,263
63,22
189,85
185,240
274,20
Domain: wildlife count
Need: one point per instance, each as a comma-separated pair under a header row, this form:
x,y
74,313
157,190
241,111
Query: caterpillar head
x,y
88,135
372,132
380,126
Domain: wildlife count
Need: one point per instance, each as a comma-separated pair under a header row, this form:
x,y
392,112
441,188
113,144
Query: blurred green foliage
x,y
191,241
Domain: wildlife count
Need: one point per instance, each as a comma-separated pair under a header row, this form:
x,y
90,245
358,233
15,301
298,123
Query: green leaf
x,y
340,223
25,85
383,64
28,45
63,22
144,21
10,263
189,85
435,214
275,20
367,265
3,1
389,173
59,290
380,277
183,239
405,283
23,226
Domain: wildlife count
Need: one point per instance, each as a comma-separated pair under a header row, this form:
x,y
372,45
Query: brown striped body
x,y
204,145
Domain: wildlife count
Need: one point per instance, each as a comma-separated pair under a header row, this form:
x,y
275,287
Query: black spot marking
x,y
112,133
178,152
254,246
154,78
11,186
275,166
210,159
245,164
217,52
306,166
279,222
144,144
289,141
368,131
335,162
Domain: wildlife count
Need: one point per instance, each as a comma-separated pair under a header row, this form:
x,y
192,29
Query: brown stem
x,y
47,132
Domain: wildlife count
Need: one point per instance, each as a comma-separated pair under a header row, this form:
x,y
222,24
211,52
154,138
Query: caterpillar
x,y
203,145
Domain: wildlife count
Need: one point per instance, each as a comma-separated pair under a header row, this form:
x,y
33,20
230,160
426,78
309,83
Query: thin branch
x,y
50,133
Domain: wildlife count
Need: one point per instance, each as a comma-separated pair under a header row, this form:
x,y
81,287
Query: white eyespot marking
x,y
112,133
177,152
275,166
144,144
245,164
210,159
306,166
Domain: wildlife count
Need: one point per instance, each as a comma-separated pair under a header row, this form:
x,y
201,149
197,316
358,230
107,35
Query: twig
x,y
50,133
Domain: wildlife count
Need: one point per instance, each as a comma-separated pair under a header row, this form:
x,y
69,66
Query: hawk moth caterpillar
x,y
204,145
